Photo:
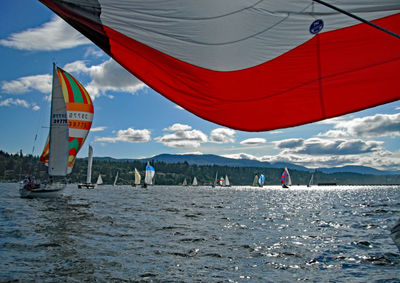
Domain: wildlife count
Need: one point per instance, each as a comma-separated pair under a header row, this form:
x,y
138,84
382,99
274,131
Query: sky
x,y
133,121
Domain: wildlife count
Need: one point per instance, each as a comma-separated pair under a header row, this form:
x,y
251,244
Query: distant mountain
x,y
357,169
211,159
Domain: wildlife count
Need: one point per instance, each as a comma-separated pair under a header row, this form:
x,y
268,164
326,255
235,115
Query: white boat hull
x,y
44,191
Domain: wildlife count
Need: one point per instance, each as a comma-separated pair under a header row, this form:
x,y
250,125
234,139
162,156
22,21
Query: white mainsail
x,y
116,179
227,183
89,168
194,182
137,177
311,180
59,132
99,180
255,181
184,182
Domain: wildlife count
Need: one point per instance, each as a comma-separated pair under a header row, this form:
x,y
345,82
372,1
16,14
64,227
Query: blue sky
x,y
133,121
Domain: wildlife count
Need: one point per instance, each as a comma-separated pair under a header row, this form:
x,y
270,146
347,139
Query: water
x,y
237,234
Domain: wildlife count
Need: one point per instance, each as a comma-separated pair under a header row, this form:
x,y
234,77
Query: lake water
x,y
201,234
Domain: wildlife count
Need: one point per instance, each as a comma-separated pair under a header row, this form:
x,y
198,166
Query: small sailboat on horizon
x,y
88,184
311,182
71,118
285,178
149,175
137,178
195,183
261,180
227,182
99,180
116,179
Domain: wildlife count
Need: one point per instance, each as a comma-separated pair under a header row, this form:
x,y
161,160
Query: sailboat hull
x,y
86,186
43,191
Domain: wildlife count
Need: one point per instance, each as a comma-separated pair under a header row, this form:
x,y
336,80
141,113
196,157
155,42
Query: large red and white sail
x,y
250,65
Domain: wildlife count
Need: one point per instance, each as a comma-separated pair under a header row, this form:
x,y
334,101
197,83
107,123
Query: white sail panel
x,y
59,132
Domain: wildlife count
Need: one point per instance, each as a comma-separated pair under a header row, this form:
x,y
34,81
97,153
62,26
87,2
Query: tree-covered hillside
x,y
14,167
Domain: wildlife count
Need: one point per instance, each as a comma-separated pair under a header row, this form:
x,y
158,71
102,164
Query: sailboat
x,y
99,180
311,182
255,181
137,178
148,178
222,181
70,121
227,183
184,182
261,180
285,179
195,183
116,179
88,184
215,180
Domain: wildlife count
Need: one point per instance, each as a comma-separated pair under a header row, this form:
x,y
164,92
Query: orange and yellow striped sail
x,y
79,116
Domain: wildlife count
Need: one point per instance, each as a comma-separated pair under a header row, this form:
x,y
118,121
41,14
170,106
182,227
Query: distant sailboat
x,y
194,181
148,178
137,178
116,179
88,184
222,181
184,182
227,183
99,180
311,182
71,117
255,181
261,180
285,179
215,180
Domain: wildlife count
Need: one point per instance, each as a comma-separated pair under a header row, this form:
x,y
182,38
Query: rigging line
x,y
357,18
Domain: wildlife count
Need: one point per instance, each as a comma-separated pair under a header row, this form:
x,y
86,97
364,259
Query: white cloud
x,y
128,135
289,143
183,137
241,156
253,141
108,76
222,135
178,127
317,146
40,83
379,125
92,52
98,129
53,35
14,101
18,102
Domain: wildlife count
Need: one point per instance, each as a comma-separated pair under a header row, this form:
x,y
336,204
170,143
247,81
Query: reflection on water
x,y
201,234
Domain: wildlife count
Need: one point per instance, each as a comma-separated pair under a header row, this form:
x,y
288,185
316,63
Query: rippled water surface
x,y
202,234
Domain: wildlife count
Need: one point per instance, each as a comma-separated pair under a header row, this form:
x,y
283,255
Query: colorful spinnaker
x,y
251,65
285,178
71,121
